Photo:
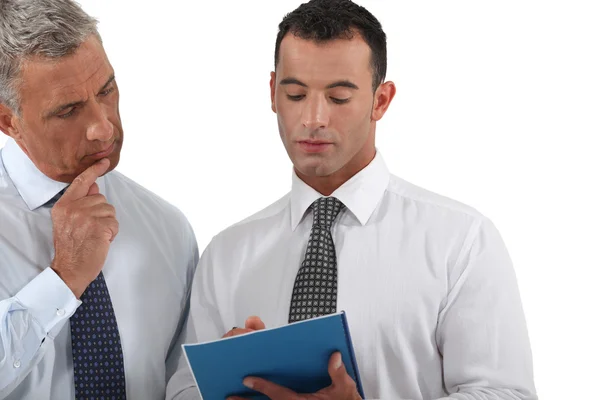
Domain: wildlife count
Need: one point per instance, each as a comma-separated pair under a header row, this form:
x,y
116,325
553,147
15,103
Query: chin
x,y
114,160
115,156
314,169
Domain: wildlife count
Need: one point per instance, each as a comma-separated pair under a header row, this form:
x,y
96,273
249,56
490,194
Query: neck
x,y
326,185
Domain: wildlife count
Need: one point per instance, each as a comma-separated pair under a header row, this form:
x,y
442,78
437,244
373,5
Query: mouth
x,y
104,153
314,146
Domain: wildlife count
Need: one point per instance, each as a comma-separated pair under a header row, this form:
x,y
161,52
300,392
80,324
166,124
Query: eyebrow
x,y
292,81
63,107
344,83
108,82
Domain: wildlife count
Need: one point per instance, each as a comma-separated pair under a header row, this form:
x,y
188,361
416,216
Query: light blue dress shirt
x,y
148,271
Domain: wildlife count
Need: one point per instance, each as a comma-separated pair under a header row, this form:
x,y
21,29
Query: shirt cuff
x,y
48,299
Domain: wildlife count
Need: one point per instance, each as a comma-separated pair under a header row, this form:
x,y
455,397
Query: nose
x,y
100,128
315,114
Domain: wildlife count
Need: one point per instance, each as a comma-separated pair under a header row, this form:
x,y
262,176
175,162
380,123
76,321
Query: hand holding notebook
x,y
342,386
296,358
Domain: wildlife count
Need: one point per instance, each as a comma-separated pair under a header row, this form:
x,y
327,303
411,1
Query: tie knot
x,y
325,210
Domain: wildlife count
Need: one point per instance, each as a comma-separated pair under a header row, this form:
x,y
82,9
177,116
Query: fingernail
x,y
248,383
338,361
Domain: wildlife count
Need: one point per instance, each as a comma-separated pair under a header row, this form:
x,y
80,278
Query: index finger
x,y
83,182
270,389
255,323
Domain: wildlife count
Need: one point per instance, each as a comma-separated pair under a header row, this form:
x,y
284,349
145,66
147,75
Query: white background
x,y
498,106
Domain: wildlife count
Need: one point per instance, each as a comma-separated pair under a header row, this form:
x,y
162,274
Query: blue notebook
x,y
295,356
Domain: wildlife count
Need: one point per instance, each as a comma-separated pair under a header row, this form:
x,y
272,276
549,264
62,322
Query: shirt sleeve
x,y
27,320
482,333
182,385
180,382
204,311
204,319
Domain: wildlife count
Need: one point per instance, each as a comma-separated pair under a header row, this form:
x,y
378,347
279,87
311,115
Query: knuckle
x,y
79,180
108,232
78,215
92,225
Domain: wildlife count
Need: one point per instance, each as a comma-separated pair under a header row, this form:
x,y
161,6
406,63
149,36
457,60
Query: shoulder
x,y
424,198
139,201
259,224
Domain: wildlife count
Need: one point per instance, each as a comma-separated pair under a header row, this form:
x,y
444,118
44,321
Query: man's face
x,y
69,112
322,94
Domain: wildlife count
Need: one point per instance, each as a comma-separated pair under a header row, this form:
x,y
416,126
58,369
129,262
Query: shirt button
x,y
17,364
60,312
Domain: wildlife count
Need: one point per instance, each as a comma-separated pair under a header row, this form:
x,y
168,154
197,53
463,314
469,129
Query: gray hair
x,y
29,28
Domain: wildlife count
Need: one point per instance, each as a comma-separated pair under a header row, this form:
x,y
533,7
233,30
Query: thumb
x,y
336,369
94,189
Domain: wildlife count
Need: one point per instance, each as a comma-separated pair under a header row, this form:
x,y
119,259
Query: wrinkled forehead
x,y
45,81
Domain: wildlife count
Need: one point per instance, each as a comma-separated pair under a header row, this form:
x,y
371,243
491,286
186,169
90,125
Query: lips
x,y
105,152
314,146
313,141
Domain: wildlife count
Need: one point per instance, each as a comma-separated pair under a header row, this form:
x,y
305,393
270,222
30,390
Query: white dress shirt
x,y
148,271
430,293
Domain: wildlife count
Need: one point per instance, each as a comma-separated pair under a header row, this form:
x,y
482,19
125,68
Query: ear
x,y
383,97
273,84
8,122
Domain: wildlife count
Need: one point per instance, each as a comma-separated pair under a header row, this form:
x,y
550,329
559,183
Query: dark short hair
x,y
325,20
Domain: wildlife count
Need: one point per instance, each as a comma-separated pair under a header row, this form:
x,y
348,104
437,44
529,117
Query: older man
x,y
95,270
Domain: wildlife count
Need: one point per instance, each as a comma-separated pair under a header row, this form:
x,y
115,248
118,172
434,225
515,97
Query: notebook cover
x,y
295,356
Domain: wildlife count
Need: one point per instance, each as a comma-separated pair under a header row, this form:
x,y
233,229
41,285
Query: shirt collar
x,y
360,194
34,187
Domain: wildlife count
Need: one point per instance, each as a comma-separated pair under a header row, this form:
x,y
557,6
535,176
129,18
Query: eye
x,y
66,115
107,91
339,101
295,98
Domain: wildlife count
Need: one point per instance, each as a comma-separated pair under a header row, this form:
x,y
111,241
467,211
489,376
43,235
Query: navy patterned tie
x,y
96,344
315,288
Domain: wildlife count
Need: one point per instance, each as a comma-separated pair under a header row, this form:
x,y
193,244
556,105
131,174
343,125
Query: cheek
x,y
40,139
353,127
286,133
64,139
112,108
288,120
55,152
351,120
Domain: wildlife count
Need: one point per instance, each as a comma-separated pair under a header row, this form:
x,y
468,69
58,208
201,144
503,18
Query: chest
x,y
385,278
144,274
